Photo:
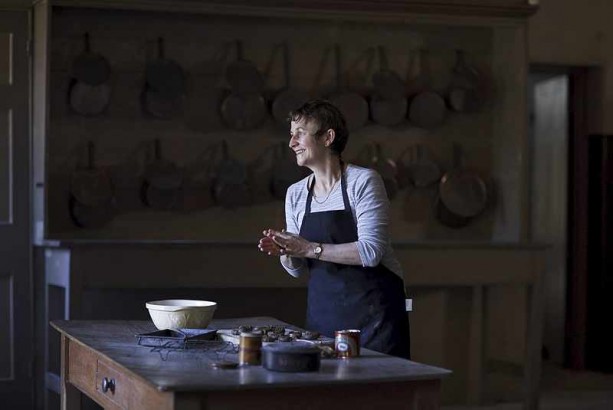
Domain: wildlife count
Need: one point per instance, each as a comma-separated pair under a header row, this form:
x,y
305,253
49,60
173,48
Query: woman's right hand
x,y
269,246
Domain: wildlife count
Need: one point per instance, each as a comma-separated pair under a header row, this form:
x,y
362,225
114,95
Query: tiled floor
x,y
564,390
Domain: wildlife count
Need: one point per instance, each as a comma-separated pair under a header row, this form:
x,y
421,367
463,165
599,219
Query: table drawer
x,y
87,371
81,367
113,385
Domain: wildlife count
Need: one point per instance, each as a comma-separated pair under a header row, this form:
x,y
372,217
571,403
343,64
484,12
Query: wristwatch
x,y
318,250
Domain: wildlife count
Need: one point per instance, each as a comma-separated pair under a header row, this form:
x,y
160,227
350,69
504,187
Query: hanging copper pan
x,y
424,171
448,218
371,156
157,105
244,108
260,175
165,85
89,100
468,87
89,217
165,76
462,191
427,107
91,185
386,167
197,190
290,98
162,183
89,90
127,177
91,194
353,106
89,67
231,186
206,95
388,104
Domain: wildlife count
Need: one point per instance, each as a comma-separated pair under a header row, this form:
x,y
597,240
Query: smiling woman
x,y
337,231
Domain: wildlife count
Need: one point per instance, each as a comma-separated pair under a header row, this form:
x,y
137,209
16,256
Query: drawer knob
x,y
108,384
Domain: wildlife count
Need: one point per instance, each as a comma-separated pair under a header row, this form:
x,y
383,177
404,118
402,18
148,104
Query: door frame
x,y
584,118
18,390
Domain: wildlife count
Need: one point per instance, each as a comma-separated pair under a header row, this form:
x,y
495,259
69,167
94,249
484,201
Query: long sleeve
x,y
292,225
370,208
372,214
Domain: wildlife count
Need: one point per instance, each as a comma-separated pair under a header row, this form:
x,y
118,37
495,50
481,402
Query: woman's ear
x,y
329,137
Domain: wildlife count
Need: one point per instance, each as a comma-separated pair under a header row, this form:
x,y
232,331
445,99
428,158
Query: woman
x,y
337,230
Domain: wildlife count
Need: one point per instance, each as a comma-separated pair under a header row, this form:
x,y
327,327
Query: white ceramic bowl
x,y
181,313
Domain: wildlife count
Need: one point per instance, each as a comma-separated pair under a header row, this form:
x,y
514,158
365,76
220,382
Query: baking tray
x,y
176,338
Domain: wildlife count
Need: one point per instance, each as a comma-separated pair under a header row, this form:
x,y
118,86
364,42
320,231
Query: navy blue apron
x,y
340,296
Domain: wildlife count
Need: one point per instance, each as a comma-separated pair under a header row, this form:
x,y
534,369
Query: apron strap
x,y
307,208
344,188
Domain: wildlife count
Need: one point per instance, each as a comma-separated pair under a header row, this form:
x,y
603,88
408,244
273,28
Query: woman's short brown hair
x,y
327,116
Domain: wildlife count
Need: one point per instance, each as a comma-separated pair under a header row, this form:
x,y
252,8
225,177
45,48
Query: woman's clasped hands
x,y
276,243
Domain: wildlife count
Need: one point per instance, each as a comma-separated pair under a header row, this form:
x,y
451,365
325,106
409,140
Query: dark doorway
x,y
584,328
574,334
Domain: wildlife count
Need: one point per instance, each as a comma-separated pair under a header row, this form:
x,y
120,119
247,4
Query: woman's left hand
x,y
290,244
268,246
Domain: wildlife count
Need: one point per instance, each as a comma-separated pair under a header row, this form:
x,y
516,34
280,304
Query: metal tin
x,y
347,343
291,357
250,349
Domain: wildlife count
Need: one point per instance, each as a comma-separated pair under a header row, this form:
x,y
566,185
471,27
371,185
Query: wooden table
x,y
149,378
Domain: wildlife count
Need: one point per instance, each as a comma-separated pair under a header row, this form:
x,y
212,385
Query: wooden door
x,y
16,295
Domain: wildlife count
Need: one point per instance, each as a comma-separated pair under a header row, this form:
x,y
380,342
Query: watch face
x,y
317,250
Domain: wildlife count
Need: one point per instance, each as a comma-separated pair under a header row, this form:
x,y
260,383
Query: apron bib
x,y
340,296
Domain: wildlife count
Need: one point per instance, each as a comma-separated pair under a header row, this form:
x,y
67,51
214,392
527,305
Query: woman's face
x,y
309,149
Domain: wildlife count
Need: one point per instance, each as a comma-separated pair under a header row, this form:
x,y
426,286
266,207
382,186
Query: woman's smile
x,y
302,141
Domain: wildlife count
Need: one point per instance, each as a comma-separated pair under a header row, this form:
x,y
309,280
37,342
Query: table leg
x,y
428,396
476,347
71,396
534,342
189,402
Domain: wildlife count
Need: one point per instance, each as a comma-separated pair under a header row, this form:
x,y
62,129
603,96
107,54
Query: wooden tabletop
x,y
190,369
